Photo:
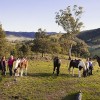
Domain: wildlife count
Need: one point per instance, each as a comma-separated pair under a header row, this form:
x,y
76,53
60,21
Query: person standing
x,y
90,66
3,65
87,66
10,64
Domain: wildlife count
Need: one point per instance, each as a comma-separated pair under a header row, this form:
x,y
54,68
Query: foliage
x,y
40,42
70,22
54,47
3,43
80,50
70,19
40,34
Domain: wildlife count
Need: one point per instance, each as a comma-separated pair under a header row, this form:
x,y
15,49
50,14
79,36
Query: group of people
x,y
4,63
8,64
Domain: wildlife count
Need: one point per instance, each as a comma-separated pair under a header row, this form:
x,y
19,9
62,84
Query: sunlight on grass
x,y
41,84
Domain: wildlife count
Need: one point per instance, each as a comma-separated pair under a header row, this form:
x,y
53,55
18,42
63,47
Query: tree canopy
x,y
69,19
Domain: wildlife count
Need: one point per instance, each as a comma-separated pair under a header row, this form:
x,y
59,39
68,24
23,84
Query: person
x,y
87,66
10,64
3,65
90,66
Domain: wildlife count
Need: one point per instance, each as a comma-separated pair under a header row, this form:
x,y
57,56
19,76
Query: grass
x,y
40,84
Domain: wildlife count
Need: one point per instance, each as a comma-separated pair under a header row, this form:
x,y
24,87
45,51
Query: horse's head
x,y
98,59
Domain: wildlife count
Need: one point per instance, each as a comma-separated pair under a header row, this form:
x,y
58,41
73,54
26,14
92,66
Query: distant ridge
x,y
90,35
20,34
23,34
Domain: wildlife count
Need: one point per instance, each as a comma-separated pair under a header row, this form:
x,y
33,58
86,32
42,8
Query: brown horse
x,y
20,65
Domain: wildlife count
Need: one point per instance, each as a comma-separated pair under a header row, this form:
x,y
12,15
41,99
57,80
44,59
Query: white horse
x,y
77,64
80,66
20,65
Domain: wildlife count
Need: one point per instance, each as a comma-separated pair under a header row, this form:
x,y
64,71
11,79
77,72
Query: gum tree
x,y
70,20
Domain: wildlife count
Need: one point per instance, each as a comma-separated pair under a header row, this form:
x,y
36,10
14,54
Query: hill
x,y
90,36
12,36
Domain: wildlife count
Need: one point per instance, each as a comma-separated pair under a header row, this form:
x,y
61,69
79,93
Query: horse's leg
x,y
72,71
79,73
18,72
21,73
26,71
54,69
69,72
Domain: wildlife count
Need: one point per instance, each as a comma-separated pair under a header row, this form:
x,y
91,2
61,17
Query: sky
x,y
30,15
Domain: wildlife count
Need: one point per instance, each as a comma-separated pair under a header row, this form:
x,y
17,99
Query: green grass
x,y
40,84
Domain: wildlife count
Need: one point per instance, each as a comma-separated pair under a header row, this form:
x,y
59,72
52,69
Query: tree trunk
x,y
70,49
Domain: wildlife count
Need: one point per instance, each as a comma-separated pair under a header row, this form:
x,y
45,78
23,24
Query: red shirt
x,y
10,61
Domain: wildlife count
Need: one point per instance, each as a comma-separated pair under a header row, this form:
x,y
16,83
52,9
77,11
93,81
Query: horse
x,y
20,65
98,59
77,64
57,64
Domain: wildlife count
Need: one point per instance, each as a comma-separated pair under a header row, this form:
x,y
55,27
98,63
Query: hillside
x,y
90,36
21,35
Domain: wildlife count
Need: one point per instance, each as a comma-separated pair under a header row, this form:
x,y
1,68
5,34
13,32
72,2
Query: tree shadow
x,y
72,96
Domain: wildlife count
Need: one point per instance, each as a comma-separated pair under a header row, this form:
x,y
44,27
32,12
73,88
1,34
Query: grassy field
x,y
40,84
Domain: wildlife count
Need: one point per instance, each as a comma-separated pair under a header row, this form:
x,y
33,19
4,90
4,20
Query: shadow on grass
x,y
50,75
67,75
39,74
0,78
72,96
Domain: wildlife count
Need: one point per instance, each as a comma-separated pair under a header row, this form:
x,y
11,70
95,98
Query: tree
x,y
24,50
54,47
40,42
80,49
40,34
70,22
3,43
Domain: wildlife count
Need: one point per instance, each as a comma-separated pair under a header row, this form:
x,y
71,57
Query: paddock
x,y
41,84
